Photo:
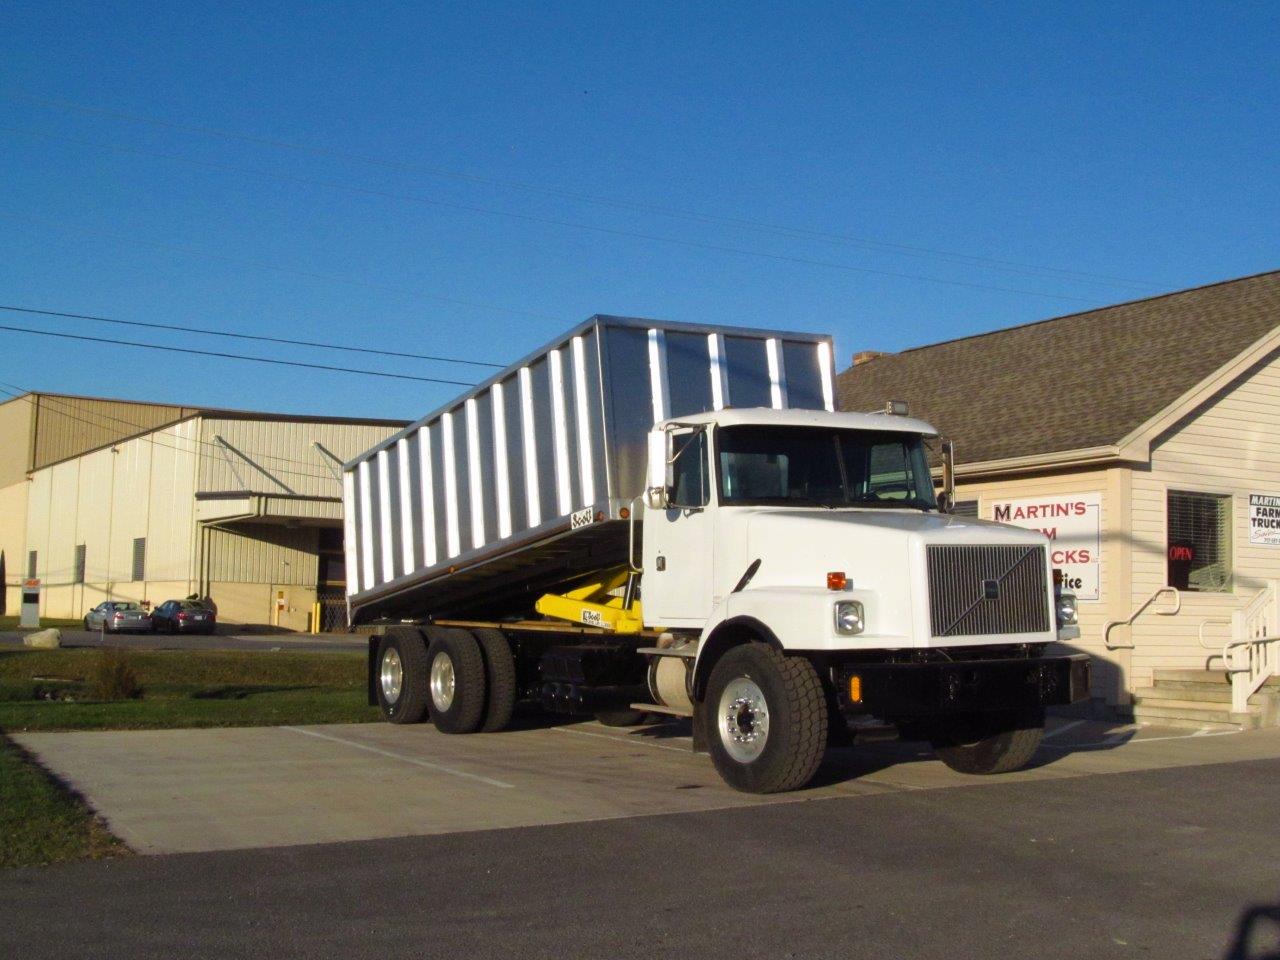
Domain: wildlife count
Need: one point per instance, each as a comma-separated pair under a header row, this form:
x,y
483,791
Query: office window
x,y
78,575
31,565
140,558
1198,550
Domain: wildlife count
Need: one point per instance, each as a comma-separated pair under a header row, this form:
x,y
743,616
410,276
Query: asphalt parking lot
x,y
1119,843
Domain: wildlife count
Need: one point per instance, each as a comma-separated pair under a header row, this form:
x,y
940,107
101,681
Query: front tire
x,y
990,744
401,680
456,680
765,719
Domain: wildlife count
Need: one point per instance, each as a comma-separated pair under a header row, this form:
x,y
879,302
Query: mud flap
x,y
699,733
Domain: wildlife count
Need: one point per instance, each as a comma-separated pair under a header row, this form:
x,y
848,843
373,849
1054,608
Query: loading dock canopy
x,y
244,506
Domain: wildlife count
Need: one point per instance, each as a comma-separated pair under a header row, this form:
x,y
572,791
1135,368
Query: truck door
x,y
678,541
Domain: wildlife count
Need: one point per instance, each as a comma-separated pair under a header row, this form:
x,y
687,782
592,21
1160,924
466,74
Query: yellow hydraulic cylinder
x,y
591,604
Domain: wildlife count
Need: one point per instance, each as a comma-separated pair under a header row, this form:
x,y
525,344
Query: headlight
x,y
1066,609
850,618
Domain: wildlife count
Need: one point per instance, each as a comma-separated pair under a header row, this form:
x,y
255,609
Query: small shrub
x,y
114,677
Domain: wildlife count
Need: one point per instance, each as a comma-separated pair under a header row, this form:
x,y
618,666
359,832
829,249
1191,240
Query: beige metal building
x,y
106,499
1144,439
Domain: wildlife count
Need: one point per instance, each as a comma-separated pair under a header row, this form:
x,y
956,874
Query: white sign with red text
x,y
1073,524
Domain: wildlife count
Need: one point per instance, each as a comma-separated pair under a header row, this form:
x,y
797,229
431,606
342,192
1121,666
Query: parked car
x,y
184,616
118,616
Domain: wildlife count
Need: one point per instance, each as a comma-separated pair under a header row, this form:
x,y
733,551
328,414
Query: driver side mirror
x,y
658,482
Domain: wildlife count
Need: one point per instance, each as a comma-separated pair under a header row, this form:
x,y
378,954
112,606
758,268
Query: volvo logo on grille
x,y
990,589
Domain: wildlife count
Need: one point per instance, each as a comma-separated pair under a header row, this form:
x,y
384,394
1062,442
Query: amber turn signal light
x,y
836,580
855,689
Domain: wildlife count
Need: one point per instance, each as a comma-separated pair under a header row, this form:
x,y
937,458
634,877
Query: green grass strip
x,y
40,821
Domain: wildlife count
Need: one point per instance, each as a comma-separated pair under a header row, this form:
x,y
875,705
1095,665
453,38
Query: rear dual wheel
x,y
400,678
465,682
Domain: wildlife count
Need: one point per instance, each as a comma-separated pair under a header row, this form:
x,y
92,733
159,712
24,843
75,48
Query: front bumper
x,y
907,690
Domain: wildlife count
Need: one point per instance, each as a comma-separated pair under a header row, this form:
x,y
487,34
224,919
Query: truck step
x,y
689,651
661,708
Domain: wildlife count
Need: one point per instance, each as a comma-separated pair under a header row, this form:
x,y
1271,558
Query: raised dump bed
x,y
526,481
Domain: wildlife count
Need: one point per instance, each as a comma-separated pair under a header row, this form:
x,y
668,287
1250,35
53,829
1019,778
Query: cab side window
x,y
691,477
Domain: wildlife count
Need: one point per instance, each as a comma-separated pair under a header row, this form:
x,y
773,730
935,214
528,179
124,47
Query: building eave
x,y
1137,444
1043,462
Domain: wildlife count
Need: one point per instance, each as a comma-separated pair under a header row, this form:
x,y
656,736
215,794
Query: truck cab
x,y
819,537
763,509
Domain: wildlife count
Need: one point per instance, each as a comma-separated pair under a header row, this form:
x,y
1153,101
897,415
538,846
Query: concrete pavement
x,y
201,790
218,641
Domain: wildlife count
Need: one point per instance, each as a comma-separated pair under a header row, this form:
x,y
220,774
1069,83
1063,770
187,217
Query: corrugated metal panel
x,y
16,419
263,553
69,426
278,456
561,431
106,499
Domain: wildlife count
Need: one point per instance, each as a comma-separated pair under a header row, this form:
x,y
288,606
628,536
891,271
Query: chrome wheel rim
x,y
442,682
391,676
743,720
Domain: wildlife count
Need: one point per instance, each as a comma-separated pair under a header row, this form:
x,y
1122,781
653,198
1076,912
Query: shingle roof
x,y
1073,382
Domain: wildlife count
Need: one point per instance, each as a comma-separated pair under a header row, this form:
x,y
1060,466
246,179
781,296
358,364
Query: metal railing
x,y
1138,611
1252,655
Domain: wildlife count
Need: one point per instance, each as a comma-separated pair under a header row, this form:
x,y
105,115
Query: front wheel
x,y
997,743
765,719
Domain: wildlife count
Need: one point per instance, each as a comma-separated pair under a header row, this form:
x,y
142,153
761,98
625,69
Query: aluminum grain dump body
x,y
522,484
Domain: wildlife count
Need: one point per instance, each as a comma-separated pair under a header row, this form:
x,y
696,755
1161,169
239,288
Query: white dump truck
x,y
648,518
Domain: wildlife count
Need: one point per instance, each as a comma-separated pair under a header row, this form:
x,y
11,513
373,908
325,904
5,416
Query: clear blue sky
x,y
1136,141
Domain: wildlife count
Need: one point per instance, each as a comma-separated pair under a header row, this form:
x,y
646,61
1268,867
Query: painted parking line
x,y
401,757
1120,739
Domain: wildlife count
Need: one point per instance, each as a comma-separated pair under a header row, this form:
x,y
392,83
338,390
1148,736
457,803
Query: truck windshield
x,y
762,466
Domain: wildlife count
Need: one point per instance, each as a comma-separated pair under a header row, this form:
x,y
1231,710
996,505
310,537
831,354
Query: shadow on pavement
x,y
1255,923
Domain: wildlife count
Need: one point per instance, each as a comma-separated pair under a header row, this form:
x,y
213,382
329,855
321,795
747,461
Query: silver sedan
x,y
118,616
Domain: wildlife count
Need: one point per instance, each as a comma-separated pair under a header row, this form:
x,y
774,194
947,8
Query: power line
x,y
742,222
548,221
248,336
235,356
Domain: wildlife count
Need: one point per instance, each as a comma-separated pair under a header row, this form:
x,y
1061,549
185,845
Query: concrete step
x,y
1202,693
1212,678
1194,714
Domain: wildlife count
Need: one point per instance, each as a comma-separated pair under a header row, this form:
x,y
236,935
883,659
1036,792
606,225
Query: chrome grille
x,y
961,600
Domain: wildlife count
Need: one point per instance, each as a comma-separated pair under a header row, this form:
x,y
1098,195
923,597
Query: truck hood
x,y
873,547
